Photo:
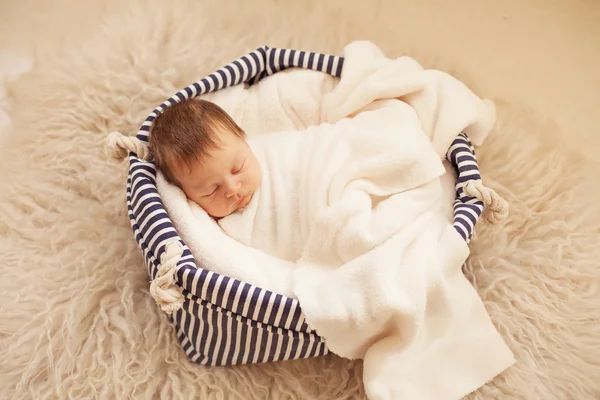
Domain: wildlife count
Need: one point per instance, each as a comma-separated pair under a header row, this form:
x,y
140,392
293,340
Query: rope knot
x,y
163,288
496,208
119,146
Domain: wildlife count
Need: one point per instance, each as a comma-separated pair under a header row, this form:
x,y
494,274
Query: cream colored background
x,y
544,55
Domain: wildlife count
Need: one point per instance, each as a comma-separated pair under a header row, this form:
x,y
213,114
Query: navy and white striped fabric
x,y
466,209
224,321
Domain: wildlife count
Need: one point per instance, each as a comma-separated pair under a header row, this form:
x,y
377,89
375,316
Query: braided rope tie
x,y
163,288
496,208
119,146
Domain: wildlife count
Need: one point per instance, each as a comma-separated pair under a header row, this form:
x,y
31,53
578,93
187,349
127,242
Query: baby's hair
x,y
186,132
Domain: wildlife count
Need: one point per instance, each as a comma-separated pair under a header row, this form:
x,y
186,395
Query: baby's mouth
x,y
243,198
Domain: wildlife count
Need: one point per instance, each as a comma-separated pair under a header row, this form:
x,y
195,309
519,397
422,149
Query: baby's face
x,y
226,180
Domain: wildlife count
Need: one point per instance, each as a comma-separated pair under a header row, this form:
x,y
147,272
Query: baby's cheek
x,y
223,209
197,199
254,177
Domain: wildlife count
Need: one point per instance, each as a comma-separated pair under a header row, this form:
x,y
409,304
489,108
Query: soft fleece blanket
x,y
358,231
326,189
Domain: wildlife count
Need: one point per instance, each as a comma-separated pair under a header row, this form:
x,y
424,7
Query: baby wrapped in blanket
x,y
270,192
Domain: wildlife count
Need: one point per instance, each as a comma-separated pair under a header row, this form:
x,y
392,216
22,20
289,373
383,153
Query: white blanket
x,y
352,220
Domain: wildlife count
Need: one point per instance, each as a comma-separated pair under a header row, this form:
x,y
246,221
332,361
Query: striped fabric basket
x,y
221,320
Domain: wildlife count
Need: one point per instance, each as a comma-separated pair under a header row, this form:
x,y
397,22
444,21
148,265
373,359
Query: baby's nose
x,y
232,188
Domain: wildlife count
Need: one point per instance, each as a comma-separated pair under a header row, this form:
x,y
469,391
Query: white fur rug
x,y
76,317
11,67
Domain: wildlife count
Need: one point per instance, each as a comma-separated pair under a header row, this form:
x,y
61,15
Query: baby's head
x,y
198,147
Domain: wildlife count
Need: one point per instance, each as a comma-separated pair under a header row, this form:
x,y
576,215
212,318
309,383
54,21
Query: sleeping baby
x,y
199,148
273,191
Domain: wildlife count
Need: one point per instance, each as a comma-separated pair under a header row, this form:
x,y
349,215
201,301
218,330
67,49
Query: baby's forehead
x,y
214,161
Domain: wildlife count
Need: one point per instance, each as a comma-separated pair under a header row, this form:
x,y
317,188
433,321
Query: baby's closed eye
x,y
210,192
239,169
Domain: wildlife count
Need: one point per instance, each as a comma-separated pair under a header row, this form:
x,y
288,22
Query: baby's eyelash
x,y
211,193
237,171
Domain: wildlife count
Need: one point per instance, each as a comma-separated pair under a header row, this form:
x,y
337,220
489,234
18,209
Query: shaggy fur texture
x,y
76,317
